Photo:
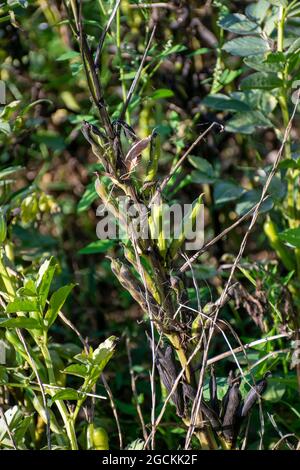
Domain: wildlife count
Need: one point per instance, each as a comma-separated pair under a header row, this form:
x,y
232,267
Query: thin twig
x,y
114,409
41,386
6,425
283,438
134,391
137,76
222,356
193,258
167,6
181,160
104,32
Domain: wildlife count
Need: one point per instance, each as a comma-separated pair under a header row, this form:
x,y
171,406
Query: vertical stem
x,y
68,422
118,39
283,101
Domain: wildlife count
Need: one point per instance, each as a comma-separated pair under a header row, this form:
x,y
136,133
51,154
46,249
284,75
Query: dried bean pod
x,y
254,395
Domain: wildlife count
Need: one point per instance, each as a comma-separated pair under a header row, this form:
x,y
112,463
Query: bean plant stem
x,y
68,422
283,101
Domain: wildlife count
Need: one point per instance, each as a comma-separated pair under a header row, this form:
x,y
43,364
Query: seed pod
x,y
94,140
97,438
254,395
213,391
133,286
156,227
225,398
231,413
281,250
166,366
188,224
3,228
211,416
153,158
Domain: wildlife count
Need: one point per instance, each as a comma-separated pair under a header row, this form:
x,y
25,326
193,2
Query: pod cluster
x,y
224,416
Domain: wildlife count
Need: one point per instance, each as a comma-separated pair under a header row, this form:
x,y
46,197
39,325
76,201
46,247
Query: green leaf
x,y
275,391
100,246
161,93
200,51
246,46
172,50
68,55
258,11
44,279
20,322
10,171
56,302
201,164
249,200
103,353
263,64
238,24
261,80
205,172
247,123
87,199
294,47
67,394
291,236
23,304
79,370
5,127
278,3
224,103
225,191
260,100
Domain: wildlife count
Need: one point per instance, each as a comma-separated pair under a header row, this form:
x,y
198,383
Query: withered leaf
x,y
134,154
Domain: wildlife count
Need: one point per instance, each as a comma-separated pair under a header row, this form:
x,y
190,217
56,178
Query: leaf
x,y
44,279
138,444
13,417
225,191
294,47
56,302
67,394
20,322
23,304
263,64
257,11
10,171
87,199
224,103
238,24
100,246
162,93
261,80
260,100
275,391
172,50
134,154
247,123
246,46
201,164
205,172
249,200
291,236
5,127
278,3
103,353
79,370
68,55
